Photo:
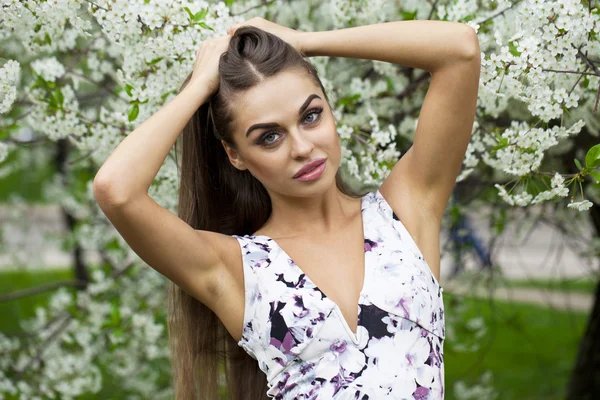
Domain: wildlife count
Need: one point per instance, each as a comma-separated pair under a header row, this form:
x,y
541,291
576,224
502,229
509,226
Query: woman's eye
x,y
316,112
313,113
263,139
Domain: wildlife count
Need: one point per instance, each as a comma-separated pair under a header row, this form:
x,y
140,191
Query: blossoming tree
x,y
79,75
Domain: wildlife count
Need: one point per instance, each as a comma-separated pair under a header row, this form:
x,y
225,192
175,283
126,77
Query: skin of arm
x,y
422,181
450,52
133,165
428,45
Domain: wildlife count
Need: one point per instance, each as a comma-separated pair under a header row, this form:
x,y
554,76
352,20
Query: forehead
x,y
277,98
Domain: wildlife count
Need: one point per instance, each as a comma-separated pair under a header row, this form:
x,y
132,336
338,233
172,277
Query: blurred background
x,y
81,316
525,295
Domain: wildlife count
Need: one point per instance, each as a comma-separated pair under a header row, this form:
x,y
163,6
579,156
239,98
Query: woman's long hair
x,y
215,196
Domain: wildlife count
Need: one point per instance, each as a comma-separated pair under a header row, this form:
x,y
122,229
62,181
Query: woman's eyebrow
x,y
274,124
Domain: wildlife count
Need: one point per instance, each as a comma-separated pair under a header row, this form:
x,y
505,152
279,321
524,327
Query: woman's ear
x,y
234,157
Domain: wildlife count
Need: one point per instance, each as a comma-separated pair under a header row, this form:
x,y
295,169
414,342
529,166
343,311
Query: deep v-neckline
x,y
353,335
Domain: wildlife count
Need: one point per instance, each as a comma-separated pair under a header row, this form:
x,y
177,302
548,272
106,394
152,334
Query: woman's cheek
x,y
271,168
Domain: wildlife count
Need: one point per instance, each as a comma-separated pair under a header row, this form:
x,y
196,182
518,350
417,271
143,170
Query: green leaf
x,y
390,84
596,176
57,94
578,164
468,18
349,100
585,82
165,95
115,313
133,112
201,14
502,143
202,24
513,49
128,89
40,82
56,99
156,60
189,13
112,245
52,102
592,158
535,185
229,3
408,15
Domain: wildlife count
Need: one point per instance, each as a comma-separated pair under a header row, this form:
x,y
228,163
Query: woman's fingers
x,y
231,29
206,65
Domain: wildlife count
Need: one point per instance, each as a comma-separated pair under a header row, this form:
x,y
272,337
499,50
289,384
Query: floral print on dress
x,y
305,347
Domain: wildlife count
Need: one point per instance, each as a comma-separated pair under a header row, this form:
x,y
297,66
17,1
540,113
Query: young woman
x,y
282,278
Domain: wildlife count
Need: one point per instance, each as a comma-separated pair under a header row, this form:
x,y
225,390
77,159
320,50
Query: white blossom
x,y
9,79
77,47
580,205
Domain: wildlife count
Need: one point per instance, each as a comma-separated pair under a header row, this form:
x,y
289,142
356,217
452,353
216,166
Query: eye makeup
x,y
262,139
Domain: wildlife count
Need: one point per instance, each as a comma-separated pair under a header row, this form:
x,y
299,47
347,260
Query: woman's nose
x,y
301,144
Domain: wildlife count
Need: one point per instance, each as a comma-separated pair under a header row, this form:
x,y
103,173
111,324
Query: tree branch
x,y
499,13
17,294
264,3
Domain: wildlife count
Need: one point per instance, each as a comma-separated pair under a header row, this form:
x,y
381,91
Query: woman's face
x,y
301,129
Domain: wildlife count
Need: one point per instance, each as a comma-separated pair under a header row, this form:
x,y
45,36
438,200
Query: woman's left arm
x,y
426,173
428,45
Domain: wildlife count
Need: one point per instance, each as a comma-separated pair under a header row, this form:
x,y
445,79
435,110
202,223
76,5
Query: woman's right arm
x,y
192,259
129,171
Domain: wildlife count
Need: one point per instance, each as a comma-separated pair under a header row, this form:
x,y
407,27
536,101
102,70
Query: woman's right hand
x,y
206,66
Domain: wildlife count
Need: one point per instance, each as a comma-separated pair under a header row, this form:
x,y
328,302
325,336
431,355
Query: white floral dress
x,y
305,346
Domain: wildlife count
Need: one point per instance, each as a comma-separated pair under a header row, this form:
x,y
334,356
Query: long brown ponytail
x,y
215,196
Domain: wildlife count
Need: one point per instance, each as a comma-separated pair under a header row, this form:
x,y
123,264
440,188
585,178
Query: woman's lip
x,y
314,174
320,161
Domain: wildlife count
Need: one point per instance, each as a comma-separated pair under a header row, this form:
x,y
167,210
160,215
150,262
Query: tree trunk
x,y
80,270
585,377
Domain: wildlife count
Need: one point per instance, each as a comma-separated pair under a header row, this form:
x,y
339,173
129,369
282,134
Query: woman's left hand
x,y
289,35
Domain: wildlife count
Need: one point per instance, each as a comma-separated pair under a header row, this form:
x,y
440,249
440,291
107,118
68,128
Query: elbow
x,y
465,50
470,50
105,193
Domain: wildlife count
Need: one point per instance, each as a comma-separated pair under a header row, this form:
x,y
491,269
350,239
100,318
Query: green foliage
x,y
27,182
515,349
134,111
592,158
575,285
512,48
128,89
198,17
408,15
15,311
530,350
349,102
592,161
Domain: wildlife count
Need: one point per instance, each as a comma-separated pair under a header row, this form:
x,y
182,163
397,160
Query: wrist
x,y
200,88
305,43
